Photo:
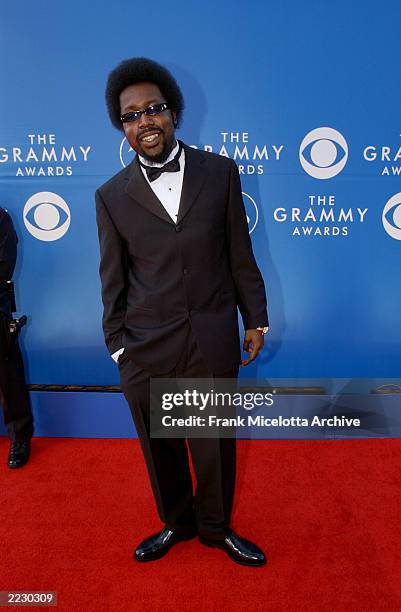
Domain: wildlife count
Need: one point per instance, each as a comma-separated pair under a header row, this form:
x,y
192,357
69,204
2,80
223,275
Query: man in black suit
x,y
176,262
14,395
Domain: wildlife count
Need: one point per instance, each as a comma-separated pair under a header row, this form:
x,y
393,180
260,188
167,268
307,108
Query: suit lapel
x,y
139,190
194,176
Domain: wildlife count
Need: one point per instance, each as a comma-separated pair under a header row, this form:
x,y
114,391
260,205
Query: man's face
x,y
151,136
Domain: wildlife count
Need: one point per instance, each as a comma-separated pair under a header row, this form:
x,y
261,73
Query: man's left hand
x,y
253,344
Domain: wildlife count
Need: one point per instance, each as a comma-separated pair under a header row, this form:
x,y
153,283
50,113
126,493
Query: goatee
x,y
161,157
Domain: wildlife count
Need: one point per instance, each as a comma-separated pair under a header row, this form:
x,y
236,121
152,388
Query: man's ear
x,y
174,116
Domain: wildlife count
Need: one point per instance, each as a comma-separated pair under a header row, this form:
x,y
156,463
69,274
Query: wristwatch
x,y
264,330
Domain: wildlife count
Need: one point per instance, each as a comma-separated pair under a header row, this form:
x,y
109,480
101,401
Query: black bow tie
x,y
153,172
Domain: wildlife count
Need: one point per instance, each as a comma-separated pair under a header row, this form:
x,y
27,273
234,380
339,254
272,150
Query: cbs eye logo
x,y
252,213
391,216
323,153
46,216
126,152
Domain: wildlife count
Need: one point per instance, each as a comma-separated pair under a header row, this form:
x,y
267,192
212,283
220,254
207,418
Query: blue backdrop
x,y
305,97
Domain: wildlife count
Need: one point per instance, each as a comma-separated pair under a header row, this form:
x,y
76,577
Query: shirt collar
x,y
173,153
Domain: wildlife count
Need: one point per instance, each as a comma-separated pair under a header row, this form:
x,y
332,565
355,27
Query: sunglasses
x,y
155,109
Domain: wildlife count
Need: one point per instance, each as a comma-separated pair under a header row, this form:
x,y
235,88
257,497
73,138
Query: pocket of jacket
x,y
140,308
122,357
228,294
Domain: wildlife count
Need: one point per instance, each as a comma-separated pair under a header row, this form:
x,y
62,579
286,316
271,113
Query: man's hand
x,y
253,344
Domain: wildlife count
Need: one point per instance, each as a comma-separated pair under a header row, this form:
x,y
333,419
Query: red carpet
x,y
326,512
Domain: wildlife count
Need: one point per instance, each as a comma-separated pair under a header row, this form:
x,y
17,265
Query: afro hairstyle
x,y
140,70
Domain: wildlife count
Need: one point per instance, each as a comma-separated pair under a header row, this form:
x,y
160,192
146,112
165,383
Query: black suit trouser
x,y
14,395
167,460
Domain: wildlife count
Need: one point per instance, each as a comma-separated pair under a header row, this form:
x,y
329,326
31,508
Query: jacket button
x,y
185,271
178,228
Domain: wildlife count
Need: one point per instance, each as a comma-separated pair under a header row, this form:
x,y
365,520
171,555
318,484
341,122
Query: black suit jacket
x,y
8,256
157,275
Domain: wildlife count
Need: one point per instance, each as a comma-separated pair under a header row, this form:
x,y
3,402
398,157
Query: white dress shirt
x,y
168,186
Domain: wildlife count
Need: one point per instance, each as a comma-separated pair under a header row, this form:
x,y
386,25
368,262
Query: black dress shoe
x,y
158,545
19,453
238,549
